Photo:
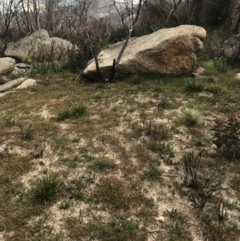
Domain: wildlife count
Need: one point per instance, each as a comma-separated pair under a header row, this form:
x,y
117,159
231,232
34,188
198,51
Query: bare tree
x,y
133,15
8,11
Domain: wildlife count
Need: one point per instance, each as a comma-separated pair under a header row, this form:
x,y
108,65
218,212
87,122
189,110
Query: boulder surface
x,y
6,65
166,51
231,46
38,46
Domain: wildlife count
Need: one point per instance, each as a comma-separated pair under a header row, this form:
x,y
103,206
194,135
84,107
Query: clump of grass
x,y
116,195
64,205
152,174
26,133
165,104
155,130
47,188
235,182
74,111
71,161
173,214
163,149
101,164
215,230
194,87
77,186
191,117
176,229
116,229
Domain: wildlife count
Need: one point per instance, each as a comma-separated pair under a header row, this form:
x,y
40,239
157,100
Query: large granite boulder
x,y
167,51
6,65
38,46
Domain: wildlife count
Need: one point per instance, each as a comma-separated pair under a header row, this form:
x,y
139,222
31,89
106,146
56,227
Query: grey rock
x,y
22,66
11,84
27,83
6,65
231,47
38,46
167,51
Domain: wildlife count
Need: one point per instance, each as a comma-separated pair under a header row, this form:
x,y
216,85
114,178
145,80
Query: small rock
x,y
27,83
6,65
237,76
23,66
11,84
21,69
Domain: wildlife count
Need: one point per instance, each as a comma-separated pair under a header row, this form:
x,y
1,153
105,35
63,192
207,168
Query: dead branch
x,y
176,5
131,27
221,210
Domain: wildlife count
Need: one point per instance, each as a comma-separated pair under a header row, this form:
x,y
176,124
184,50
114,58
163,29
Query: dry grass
x,y
116,150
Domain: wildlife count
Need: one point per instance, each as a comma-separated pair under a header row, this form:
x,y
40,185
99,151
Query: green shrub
x,y
227,136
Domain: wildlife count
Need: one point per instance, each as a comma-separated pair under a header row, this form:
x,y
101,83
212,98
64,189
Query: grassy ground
x,y
130,160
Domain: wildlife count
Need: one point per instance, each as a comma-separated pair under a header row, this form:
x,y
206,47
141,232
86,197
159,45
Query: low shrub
x,y
227,136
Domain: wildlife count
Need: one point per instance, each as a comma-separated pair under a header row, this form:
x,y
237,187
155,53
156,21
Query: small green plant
x,y
116,194
158,131
63,115
194,87
227,136
153,173
176,230
47,188
192,117
71,161
206,219
117,229
74,111
64,205
165,104
221,64
76,187
235,182
101,164
163,149
26,133
173,214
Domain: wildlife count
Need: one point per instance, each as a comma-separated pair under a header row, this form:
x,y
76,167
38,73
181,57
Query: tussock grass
x,y
74,111
47,188
101,164
191,117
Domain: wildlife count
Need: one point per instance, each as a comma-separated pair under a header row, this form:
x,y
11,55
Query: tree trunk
x,y
233,20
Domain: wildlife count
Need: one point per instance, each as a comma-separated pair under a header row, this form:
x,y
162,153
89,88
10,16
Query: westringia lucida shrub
x,y
227,136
